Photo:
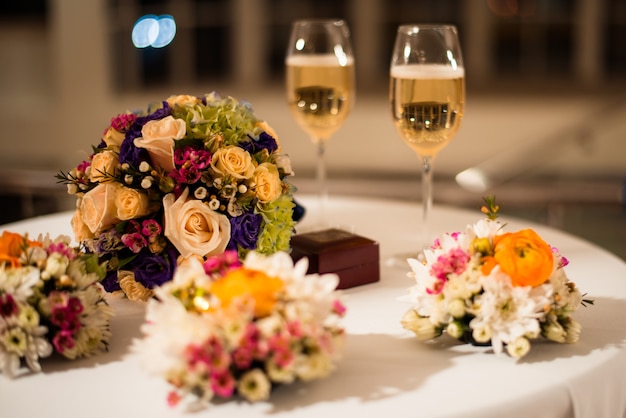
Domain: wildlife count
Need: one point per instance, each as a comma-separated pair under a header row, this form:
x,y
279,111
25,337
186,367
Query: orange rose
x,y
243,282
523,256
11,247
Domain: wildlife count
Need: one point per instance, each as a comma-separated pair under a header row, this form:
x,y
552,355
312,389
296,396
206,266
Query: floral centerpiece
x,y
50,301
222,328
490,287
190,177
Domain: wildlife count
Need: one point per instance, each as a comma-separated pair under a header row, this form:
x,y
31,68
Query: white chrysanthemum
x,y
19,282
254,386
189,273
311,296
280,374
56,265
567,298
485,228
312,366
427,304
168,330
508,312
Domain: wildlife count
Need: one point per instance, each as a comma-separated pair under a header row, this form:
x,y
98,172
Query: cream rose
x,y
157,136
104,165
182,100
134,290
97,207
193,227
131,203
113,138
268,184
233,161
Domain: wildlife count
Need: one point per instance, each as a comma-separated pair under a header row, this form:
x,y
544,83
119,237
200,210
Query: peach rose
x,y
132,289
131,203
103,165
97,207
81,231
113,138
193,227
233,161
268,183
157,136
182,100
523,256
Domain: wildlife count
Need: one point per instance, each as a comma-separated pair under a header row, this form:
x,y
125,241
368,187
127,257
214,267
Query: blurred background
x,y
545,122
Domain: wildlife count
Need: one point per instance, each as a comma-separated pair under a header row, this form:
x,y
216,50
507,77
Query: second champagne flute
x,y
320,87
427,96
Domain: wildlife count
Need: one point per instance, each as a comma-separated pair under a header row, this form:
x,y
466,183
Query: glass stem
x,y
427,198
321,182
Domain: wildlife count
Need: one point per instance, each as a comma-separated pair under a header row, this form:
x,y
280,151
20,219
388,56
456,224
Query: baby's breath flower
x,y
214,204
144,167
147,182
200,193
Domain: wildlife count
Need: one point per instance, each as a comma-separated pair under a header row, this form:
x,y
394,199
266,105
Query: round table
x,y
385,371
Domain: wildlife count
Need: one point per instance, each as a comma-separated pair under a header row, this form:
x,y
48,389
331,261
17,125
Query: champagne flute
x,y
427,97
320,87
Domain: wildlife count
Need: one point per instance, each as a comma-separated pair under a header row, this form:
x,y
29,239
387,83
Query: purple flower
x,y
265,141
154,269
130,154
110,283
245,231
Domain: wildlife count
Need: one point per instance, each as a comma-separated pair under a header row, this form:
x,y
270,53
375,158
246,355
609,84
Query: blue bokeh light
x,y
154,31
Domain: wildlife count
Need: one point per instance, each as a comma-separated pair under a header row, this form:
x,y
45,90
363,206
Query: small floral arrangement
x,y
190,177
222,328
490,287
50,301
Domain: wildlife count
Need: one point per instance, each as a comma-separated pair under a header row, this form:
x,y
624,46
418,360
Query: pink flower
x,y
280,346
134,241
151,229
61,248
454,262
221,263
339,308
123,121
562,260
173,398
211,354
8,306
63,340
294,328
242,357
222,383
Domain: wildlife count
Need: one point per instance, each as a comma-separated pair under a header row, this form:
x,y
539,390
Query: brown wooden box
x,y
354,258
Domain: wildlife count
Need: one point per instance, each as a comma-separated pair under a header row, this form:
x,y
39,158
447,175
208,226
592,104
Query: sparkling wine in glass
x,y
320,87
427,97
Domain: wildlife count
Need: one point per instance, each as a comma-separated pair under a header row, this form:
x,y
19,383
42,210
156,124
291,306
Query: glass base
x,y
400,260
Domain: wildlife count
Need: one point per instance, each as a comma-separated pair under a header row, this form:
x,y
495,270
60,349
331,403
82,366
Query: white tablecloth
x,y
385,370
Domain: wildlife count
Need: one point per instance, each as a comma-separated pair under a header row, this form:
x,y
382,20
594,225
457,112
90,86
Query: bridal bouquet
x,y
190,177
221,328
486,286
50,301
